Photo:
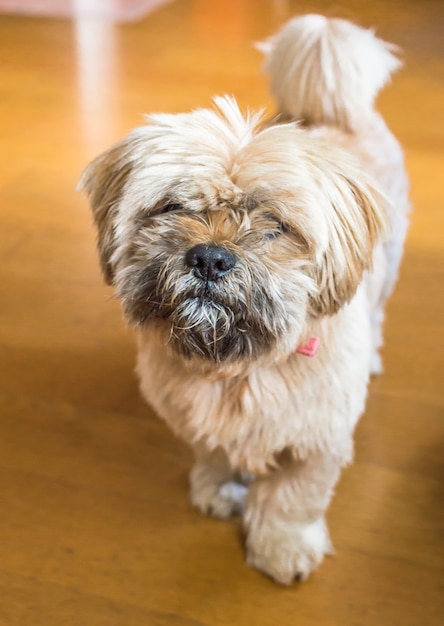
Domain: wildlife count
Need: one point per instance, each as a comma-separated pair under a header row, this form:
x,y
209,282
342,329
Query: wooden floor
x,y
95,524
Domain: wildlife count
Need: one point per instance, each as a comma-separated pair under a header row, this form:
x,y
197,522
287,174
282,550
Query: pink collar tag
x,y
310,347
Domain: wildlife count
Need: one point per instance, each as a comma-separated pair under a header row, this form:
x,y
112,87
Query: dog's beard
x,y
211,330
224,321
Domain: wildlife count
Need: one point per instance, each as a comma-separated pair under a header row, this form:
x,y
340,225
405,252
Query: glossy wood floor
x,y
95,524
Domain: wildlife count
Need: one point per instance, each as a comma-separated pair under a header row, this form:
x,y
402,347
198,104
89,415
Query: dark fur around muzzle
x,y
222,321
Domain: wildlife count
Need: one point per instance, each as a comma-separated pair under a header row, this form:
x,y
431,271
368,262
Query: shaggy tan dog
x,y
254,260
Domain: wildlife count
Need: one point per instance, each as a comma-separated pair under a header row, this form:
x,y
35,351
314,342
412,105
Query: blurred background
x,y
95,523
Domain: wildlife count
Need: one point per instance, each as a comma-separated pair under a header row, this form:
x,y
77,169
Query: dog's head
x,y
229,236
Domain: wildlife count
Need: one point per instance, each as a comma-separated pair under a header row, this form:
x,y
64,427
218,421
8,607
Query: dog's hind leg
x,y
216,489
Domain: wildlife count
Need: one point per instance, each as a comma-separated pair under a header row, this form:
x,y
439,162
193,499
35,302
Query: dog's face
x,y
227,237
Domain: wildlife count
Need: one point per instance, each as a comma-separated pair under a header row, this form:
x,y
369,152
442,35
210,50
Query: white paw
x,y
220,501
288,552
376,366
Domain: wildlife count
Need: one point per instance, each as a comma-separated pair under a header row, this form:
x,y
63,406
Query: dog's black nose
x,y
210,262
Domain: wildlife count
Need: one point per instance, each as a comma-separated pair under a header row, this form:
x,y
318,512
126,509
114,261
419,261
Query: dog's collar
x,y
310,347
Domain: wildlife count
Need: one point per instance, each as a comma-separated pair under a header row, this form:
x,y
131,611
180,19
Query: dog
x,y
254,258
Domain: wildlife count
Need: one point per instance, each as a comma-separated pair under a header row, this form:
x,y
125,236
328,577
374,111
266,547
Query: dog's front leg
x,y
287,536
216,489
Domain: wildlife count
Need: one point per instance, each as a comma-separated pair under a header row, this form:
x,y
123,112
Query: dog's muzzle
x,y
210,262
213,311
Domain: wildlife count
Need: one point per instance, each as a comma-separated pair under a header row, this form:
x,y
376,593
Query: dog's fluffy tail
x,y
327,71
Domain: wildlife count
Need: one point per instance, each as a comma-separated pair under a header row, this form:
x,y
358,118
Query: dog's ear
x,y
104,181
355,216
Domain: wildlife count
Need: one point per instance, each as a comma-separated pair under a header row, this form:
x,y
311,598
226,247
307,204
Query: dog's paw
x,y
288,552
220,501
376,366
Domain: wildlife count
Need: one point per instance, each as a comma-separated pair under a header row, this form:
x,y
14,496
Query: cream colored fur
x,y
300,209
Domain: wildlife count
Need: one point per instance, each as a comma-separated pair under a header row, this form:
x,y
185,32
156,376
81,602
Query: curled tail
x,y
327,71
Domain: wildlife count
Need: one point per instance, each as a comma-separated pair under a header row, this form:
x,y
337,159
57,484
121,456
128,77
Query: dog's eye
x,y
277,228
170,208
